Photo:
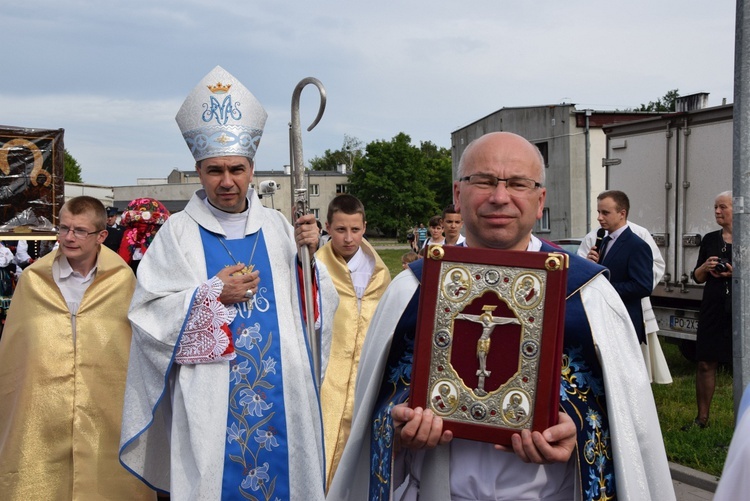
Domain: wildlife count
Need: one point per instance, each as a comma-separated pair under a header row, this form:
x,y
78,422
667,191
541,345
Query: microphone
x,y
599,236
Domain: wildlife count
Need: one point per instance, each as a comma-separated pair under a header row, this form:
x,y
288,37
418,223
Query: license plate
x,y
683,324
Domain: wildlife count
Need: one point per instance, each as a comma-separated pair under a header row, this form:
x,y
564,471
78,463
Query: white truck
x,y
672,167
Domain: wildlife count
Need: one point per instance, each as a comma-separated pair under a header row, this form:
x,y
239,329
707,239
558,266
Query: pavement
x,y
692,485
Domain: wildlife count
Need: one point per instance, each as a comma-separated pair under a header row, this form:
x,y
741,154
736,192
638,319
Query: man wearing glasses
x,y
63,360
604,445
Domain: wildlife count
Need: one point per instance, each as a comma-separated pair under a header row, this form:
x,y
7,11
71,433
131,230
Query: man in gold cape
x,y
360,278
63,359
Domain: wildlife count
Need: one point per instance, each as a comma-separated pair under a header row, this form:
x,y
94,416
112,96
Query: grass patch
x,y
704,450
392,259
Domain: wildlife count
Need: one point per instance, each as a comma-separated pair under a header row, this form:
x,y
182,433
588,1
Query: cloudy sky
x,y
114,73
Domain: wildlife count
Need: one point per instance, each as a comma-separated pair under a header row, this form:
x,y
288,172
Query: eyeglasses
x,y
512,184
79,234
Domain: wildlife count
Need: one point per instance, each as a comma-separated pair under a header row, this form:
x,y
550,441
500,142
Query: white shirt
x,y
460,241
430,241
72,285
232,223
486,473
22,252
361,266
6,256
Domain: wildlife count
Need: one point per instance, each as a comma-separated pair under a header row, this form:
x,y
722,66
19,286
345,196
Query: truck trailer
x,y
672,167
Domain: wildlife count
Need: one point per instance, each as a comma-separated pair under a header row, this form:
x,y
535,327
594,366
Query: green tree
x,y
72,168
393,182
439,168
666,103
351,151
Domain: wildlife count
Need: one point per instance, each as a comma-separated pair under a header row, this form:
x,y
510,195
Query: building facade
x,y
274,188
572,143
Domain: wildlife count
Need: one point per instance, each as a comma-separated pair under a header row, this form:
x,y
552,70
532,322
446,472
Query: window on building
x,y
314,190
543,225
544,149
315,212
342,188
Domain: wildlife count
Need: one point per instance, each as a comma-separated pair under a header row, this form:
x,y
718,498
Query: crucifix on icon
x,y
483,344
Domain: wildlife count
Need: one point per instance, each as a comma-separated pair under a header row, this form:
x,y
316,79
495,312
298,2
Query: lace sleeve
x,y
207,337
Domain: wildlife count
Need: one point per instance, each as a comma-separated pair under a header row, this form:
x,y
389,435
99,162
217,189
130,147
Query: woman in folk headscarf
x,y
142,219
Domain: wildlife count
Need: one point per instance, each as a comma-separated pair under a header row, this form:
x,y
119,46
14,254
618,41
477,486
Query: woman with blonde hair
x,y
714,344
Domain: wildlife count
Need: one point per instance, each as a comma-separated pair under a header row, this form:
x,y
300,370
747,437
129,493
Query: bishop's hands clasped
x,y
419,428
237,282
306,232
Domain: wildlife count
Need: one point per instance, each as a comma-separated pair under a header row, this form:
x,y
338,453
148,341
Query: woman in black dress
x,y
714,343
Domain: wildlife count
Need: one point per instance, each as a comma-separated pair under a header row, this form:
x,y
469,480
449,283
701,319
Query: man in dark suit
x,y
114,231
628,257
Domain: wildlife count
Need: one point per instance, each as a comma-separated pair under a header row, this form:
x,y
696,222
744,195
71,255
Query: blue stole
x,y
582,387
256,464
581,390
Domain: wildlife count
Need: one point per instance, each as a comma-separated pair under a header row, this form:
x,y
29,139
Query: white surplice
x,y
175,416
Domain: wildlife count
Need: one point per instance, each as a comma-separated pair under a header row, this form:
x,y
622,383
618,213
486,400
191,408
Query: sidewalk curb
x,y
693,477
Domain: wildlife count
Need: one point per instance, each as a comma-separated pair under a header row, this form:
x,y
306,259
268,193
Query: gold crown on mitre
x,y
221,118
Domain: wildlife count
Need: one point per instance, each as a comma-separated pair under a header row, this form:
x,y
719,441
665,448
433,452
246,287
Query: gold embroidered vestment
x,y
61,395
349,329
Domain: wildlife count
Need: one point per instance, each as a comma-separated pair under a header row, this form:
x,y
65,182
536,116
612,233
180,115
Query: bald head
x,y
496,141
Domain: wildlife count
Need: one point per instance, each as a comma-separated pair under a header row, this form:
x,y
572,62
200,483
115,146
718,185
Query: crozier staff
x,y
221,401
301,208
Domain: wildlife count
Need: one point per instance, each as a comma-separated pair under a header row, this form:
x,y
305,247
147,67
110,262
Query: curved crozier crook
x,y
299,191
